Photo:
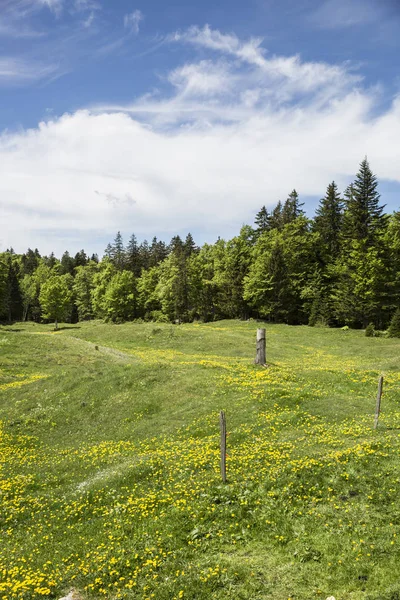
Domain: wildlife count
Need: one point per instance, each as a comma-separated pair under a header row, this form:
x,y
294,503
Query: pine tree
x,y
364,220
30,261
275,219
176,243
328,223
189,245
262,221
108,251
80,259
117,252
50,261
158,252
67,263
361,270
144,255
292,208
132,256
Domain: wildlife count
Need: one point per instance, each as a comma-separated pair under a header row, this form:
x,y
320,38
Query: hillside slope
x,y
109,455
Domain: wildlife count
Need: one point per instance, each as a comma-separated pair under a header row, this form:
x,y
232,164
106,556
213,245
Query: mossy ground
x,y
109,457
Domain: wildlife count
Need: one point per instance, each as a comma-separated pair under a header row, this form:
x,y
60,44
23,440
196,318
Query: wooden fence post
x,y
260,345
378,401
222,425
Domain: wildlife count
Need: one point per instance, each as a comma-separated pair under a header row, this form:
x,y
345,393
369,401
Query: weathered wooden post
x,y
222,425
261,343
378,401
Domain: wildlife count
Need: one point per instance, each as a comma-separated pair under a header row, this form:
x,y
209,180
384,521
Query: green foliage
x,y
158,316
148,300
3,284
101,280
262,221
230,271
117,252
370,330
292,208
280,271
363,217
119,298
173,286
394,327
10,293
56,298
360,277
83,290
340,268
328,223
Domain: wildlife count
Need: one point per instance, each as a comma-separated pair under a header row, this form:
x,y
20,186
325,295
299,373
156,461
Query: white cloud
x,y
88,22
56,6
16,71
202,79
333,14
86,5
213,39
132,21
231,136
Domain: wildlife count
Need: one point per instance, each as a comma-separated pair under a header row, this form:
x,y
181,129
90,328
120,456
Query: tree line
x,y
342,267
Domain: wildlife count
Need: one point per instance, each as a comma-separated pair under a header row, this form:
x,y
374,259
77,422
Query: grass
x,y
109,463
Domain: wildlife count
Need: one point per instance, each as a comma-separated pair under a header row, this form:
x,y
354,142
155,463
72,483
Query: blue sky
x,y
163,117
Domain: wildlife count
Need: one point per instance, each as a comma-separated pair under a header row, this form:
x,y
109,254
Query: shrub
x,y
394,327
370,330
159,317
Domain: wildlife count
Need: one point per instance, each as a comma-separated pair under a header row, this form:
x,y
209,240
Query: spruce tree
x,y
67,263
292,208
189,245
81,259
118,252
108,252
30,261
144,255
328,222
176,243
275,220
364,220
132,256
50,261
262,221
158,252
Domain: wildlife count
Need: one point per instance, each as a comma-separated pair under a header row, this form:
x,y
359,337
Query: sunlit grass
x,y
109,457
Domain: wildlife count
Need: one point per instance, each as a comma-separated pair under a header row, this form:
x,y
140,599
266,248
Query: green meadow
x,y
109,463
